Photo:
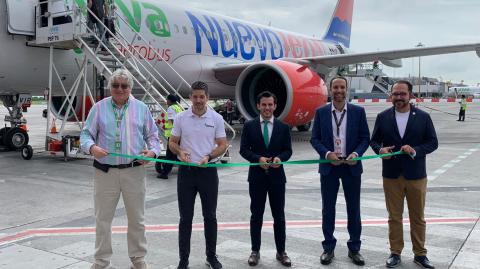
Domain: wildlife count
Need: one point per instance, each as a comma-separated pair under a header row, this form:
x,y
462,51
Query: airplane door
x,y
21,17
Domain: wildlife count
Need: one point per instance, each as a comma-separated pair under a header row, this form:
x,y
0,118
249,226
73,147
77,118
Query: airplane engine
x,y
77,105
299,91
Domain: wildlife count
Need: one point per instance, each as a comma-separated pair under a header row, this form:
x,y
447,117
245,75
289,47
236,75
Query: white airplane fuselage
x,y
192,41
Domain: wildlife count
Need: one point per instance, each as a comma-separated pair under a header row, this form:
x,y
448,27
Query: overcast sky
x,y
378,25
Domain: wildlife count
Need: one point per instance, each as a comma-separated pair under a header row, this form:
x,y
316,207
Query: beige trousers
x,y
396,190
130,183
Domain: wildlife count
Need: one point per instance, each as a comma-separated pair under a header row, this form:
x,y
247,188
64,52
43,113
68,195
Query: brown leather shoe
x,y
253,259
284,259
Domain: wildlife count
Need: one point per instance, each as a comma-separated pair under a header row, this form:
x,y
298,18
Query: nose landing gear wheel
x,y
27,152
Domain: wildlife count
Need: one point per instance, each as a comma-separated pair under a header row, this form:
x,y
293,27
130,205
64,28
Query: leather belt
x,y
105,167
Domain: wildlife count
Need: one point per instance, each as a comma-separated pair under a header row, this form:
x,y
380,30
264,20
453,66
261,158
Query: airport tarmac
x,y
46,207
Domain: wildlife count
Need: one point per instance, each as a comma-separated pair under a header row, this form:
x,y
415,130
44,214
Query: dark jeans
x,y
167,167
351,187
230,117
461,115
193,180
258,194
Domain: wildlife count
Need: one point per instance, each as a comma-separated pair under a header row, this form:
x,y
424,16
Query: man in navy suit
x,y
340,133
266,140
404,127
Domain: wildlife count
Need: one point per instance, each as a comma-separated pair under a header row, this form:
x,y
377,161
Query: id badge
x,y
118,146
338,147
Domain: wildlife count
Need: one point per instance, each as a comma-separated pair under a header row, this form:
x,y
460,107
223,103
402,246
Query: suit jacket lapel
x,y
258,131
394,121
350,119
411,120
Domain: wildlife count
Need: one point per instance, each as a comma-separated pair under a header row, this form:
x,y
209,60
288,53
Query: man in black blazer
x,y
266,140
404,127
340,133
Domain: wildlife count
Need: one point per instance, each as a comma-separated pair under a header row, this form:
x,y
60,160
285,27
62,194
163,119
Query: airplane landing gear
x,y
15,138
27,152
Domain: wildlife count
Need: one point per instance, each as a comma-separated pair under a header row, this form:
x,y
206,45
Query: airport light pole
x,y
419,45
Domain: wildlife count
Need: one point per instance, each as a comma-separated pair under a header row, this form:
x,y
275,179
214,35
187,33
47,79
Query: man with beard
x,y
409,129
198,136
340,133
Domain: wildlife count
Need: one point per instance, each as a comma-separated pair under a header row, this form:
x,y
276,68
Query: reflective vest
x,y
168,125
463,104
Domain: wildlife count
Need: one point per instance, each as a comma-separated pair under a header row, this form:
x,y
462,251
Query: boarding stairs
x,y
120,50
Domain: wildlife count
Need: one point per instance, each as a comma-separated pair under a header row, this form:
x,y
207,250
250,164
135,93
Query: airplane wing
x,y
228,73
390,58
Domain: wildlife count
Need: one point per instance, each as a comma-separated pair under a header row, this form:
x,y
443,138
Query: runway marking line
x,y
452,163
294,224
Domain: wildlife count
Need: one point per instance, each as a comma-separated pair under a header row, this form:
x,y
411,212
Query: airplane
x,y
468,91
236,58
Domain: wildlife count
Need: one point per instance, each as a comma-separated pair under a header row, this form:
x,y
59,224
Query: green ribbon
x,y
250,164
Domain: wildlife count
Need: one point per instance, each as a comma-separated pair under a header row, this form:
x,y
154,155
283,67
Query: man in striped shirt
x,y
120,124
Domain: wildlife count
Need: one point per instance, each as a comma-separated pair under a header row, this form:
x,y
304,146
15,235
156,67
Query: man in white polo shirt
x,y
198,136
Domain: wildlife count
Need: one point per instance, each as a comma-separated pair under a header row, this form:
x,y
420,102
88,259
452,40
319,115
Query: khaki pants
x,y
395,192
129,182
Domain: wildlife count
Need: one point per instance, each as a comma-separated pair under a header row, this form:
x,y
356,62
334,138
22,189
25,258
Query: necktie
x,y
265,132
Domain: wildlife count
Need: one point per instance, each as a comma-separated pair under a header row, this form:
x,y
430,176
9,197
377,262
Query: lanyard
x,y
120,114
337,122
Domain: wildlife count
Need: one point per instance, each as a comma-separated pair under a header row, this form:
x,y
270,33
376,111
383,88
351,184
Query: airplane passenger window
x,y
176,28
209,35
185,30
225,36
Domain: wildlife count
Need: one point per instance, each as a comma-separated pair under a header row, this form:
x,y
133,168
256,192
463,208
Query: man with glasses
x,y
409,129
120,124
340,133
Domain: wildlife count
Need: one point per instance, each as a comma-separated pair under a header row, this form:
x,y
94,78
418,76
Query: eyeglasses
x,y
402,94
118,85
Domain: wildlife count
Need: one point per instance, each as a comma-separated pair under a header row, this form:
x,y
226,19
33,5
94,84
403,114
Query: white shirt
x,y
402,119
343,128
269,126
198,134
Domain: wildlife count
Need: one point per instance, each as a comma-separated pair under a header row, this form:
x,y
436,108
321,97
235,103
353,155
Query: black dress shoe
x,y
253,259
393,261
284,259
327,257
183,264
213,262
356,257
423,261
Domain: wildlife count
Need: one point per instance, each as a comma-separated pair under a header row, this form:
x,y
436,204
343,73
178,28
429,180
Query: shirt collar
x,y
262,120
126,103
205,115
344,107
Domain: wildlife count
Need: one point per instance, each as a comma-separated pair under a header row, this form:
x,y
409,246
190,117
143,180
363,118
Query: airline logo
x,y
156,20
341,25
234,39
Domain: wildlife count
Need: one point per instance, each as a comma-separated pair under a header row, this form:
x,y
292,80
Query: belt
x,y
105,167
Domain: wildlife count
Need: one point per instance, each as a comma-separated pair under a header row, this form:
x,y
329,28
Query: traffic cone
x,y
53,129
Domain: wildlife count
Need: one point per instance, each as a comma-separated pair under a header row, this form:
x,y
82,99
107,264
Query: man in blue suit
x,y
404,127
340,133
266,140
